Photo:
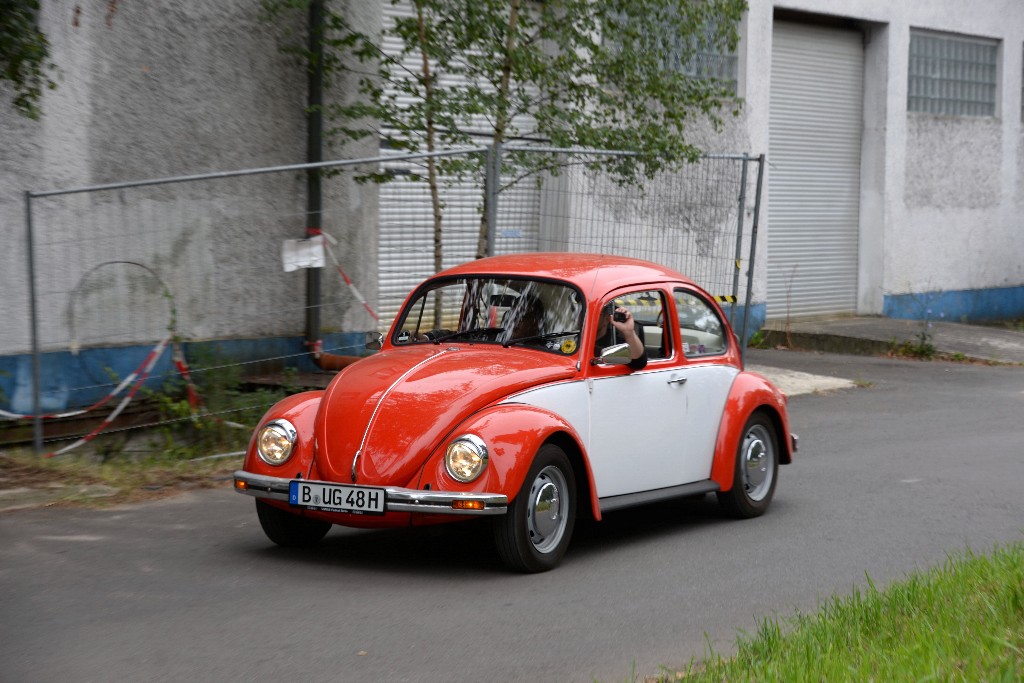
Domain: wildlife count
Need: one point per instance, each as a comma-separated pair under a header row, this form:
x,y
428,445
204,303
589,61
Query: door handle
x,y
677,380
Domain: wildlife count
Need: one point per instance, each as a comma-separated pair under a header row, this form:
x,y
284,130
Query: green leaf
x,y
24,55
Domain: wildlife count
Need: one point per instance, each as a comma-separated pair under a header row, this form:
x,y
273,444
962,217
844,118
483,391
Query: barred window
x,y
952,75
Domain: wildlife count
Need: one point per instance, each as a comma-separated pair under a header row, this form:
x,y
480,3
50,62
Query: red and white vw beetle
x,y
492,395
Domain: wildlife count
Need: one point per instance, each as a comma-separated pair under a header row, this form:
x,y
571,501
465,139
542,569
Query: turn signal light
x,y
240,485
467,505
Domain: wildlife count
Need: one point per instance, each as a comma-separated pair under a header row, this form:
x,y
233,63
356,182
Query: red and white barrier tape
x,y
179,363
156,352
151,360
328,241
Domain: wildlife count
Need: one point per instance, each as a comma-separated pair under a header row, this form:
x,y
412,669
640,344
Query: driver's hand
x,y
625,325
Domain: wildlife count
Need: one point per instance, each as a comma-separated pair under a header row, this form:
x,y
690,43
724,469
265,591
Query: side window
x,y
648,309
701,331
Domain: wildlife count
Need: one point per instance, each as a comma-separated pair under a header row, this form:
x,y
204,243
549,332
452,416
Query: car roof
x,y
589,272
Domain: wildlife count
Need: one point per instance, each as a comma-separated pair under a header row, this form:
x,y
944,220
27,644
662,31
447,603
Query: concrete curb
x,y
876,336
796,383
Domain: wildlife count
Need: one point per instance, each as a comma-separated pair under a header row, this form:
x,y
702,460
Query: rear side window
x,y
700,329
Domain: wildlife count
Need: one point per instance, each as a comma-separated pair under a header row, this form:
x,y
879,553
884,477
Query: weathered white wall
x,y
957,225
940,196
160,89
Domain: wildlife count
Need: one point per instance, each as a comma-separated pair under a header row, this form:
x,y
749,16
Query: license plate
x,y
336,497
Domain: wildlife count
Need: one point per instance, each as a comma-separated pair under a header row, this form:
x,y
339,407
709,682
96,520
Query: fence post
x,y
492,181
739,241
33,312
753,251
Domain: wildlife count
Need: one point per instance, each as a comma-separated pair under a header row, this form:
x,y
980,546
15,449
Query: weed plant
x,y
223,419
217,415
921,347
758,340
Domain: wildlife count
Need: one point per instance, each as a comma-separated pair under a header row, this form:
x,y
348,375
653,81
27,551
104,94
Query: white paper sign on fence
x,y
307,253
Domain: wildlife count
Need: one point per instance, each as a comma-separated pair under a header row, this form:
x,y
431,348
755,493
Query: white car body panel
x,y
678,421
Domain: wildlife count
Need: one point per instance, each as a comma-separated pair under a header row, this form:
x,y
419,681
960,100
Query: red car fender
x,y
513,433
750,392
299,409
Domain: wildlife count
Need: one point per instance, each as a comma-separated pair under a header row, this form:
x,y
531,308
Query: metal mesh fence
x,y
132,265
173,290
696,219
407,253
156,296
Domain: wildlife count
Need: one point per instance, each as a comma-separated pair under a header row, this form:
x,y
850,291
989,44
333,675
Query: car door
x,y
656,428
635,436
704,341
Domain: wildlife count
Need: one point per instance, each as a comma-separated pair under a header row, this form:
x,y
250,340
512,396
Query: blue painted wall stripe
x,y
969,305
77,381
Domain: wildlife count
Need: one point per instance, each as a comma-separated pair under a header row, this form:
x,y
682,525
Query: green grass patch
x,y
963,621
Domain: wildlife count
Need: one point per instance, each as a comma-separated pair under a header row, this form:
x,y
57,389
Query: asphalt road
x,y
920,459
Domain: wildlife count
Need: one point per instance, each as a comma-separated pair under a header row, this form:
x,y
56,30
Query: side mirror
x,y
374,341
613,355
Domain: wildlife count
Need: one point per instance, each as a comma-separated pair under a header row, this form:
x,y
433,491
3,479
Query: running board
x,y
644,497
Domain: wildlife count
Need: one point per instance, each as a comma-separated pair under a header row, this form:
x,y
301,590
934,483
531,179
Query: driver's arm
x,y
627,329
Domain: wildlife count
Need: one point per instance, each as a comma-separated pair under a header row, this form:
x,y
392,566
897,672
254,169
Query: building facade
x,y
896,155
893,134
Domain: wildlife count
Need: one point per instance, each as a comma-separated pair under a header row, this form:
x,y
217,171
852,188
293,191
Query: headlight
x,y
466,458
275,441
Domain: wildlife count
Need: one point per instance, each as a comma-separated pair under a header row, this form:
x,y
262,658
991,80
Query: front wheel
x,y
534,533
288,530
757,464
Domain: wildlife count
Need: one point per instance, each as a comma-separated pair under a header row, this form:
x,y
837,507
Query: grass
x,y
93,480
962,621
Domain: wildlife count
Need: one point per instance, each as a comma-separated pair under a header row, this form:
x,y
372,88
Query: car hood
x,y
388,412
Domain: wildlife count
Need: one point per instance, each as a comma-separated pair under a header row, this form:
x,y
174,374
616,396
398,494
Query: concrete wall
x,y
160,89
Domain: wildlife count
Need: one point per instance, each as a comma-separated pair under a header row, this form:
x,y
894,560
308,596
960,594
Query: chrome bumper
x,y
397,499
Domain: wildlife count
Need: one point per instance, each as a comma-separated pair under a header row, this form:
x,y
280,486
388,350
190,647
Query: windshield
x,y
506,311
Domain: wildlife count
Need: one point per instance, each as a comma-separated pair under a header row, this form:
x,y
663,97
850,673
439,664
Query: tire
x,y
757,468
532,536
290,530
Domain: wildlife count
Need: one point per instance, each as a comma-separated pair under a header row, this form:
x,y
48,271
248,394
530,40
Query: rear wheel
x,y
534,533
289,530
757,464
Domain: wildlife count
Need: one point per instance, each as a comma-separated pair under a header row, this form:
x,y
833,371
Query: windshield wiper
x,y
540,337
479,332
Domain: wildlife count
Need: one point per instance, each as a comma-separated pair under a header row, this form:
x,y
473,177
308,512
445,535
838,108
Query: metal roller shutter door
x,y
406,228
814,170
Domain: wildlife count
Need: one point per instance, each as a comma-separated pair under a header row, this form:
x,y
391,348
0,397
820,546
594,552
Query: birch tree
x,y
605,74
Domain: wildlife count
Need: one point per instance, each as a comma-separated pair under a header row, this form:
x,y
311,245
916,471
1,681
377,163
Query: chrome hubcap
x,y
545,516
758,463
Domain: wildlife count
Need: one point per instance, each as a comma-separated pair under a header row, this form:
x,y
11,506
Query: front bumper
x,y
397,499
